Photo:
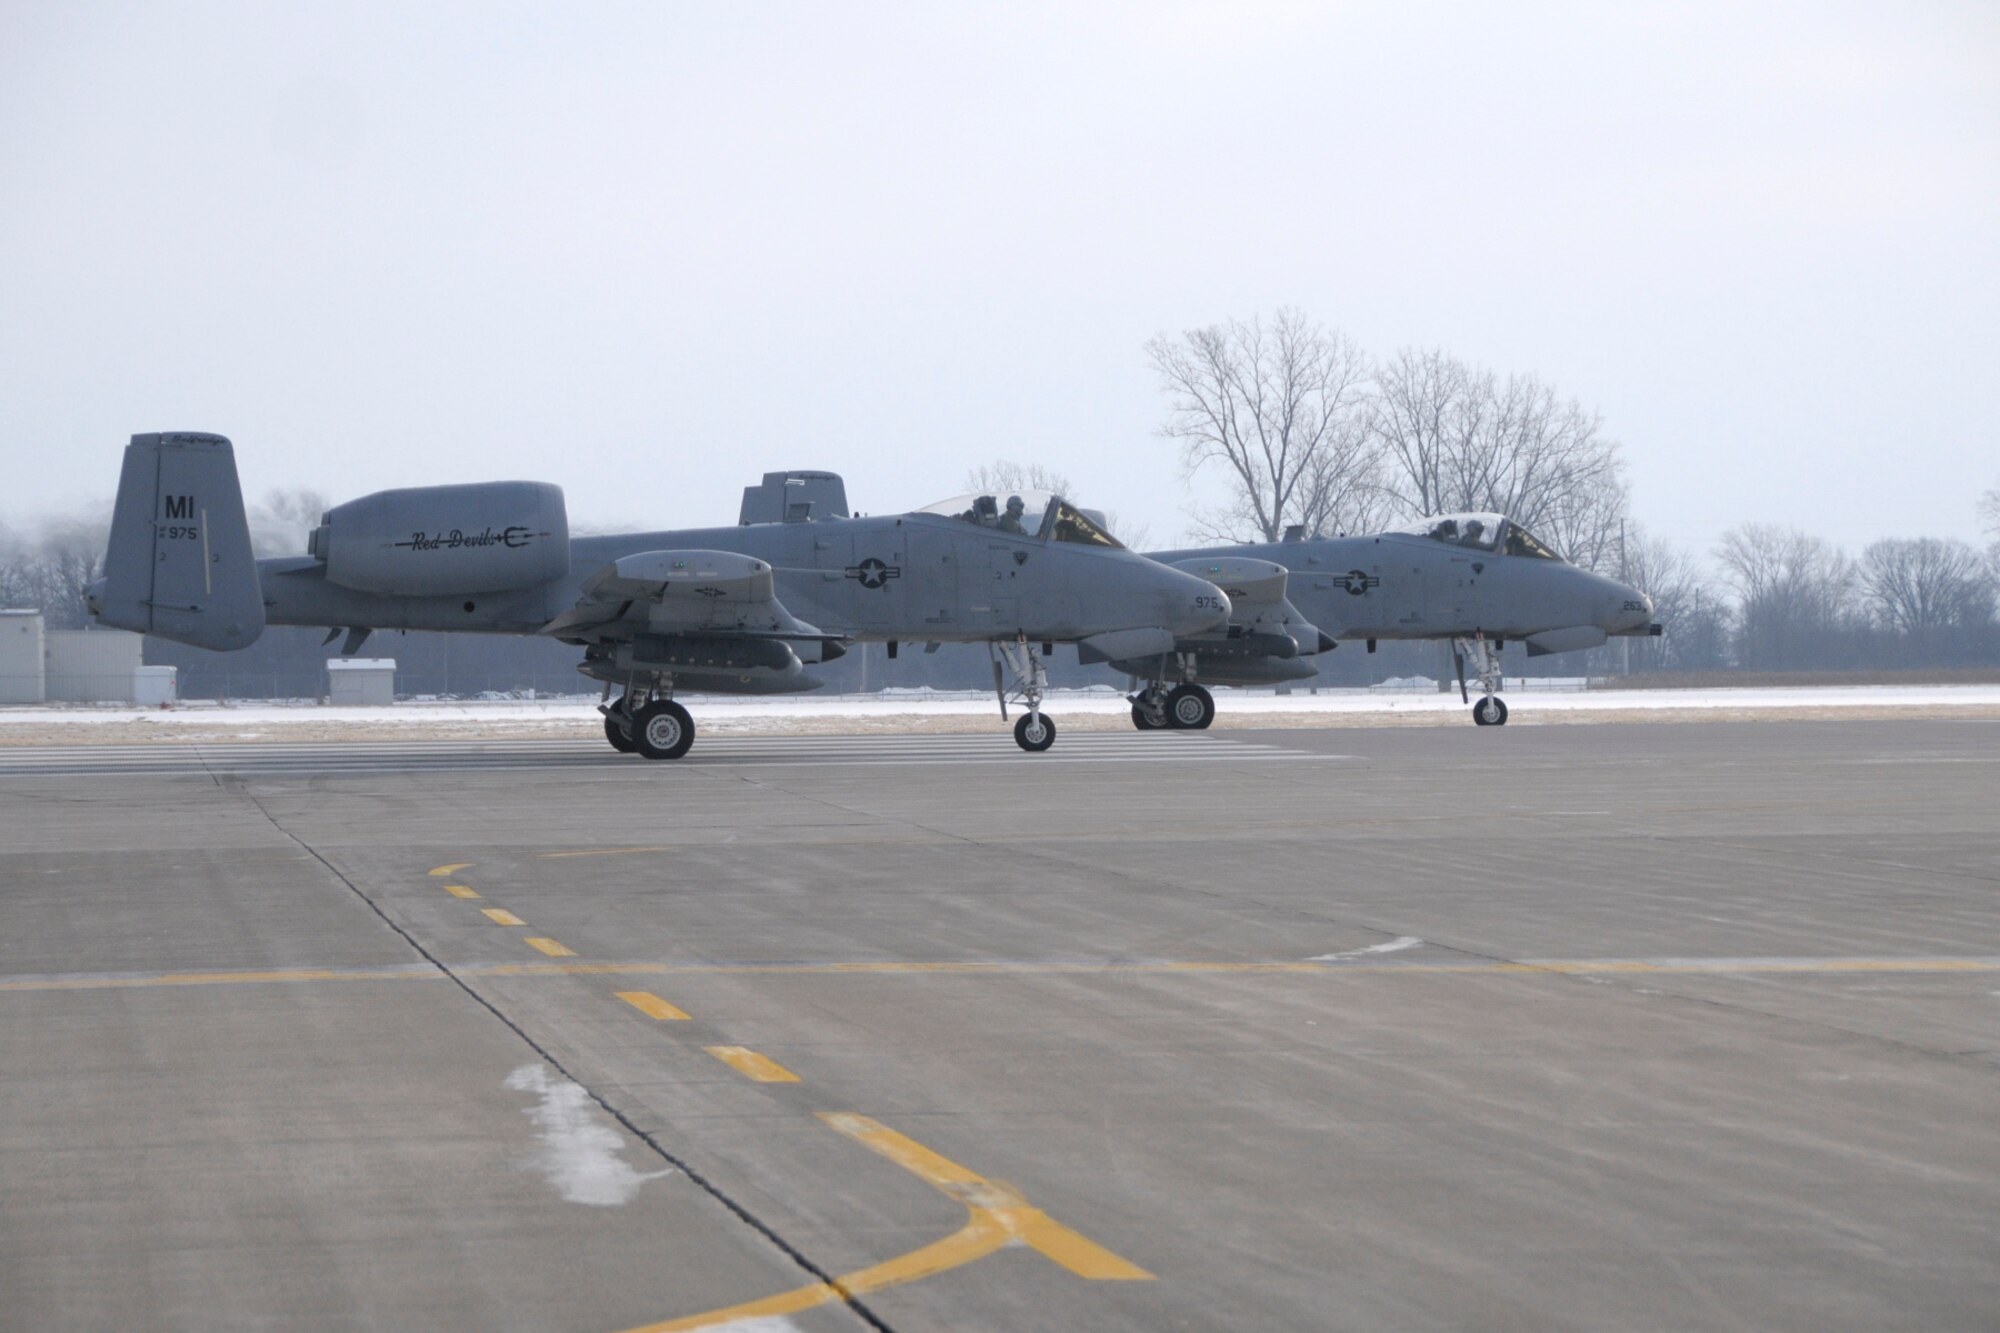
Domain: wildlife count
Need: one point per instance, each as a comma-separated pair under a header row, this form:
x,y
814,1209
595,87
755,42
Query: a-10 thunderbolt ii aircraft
x,y
741,609
1477,580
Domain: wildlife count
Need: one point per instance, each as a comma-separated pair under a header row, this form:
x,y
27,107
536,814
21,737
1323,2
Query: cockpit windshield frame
x,y
1482,532
1039,515
1064,522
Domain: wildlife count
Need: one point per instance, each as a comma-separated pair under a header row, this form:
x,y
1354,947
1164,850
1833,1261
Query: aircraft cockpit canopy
x,y
1483,532
1029,513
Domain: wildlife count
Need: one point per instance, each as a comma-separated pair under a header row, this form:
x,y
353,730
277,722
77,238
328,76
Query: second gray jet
x,y
1476,580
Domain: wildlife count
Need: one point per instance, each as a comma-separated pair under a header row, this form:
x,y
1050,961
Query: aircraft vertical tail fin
x,y
179,563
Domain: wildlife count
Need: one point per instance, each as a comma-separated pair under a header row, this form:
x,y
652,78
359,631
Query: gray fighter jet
x,y
1477,580
742,609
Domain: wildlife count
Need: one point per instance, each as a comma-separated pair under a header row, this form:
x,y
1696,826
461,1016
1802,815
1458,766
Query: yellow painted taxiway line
x,y
1685,967
414,972
452,869
459,891
751,1065
997,1217
651,1005
549,946
500,916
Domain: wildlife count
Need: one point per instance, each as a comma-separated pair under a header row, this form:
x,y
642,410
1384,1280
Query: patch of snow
x,y
579,1152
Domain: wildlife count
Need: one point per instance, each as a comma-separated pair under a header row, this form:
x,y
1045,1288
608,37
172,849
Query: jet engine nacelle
x,y
430,541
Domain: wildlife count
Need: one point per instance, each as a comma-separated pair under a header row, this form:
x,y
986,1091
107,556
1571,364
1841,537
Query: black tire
x,y
663,730
1029,738
1490,712
1144,720
1190,708
618,733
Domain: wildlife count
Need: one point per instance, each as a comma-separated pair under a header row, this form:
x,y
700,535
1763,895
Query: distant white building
x,y
92,665
363,681
22,666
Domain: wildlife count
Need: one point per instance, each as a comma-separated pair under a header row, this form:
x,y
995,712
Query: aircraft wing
x,y
710,593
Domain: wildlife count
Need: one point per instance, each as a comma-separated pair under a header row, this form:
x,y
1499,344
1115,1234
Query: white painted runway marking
x,y
1396,945
579,1152
380,757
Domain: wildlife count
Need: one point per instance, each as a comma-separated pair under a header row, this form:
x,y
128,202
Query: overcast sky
x,y
650,251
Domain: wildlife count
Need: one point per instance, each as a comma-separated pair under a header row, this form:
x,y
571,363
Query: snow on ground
x,y
929,711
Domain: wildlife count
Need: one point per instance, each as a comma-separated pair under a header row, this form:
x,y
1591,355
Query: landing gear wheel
x,y
1144,720
618,733
1489,712
663,730
1035,732
1190,708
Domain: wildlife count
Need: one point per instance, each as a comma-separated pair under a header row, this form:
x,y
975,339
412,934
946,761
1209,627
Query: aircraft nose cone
x,y
1626,608
1193,605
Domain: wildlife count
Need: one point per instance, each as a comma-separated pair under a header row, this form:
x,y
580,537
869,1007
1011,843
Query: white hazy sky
x,y
649,251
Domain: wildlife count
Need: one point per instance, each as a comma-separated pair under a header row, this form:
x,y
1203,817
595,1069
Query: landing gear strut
x,y
1036,731
1490,711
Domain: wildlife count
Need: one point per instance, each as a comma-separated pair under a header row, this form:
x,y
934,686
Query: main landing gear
x,y
1186,707
1490,711
1036,731
647,723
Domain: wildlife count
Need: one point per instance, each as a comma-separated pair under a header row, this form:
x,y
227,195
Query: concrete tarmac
x,y
1612,1026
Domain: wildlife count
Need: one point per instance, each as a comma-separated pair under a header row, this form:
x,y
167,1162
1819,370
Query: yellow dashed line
x,y
459,891
500,916
550,947
752,1065
651,1005
452,869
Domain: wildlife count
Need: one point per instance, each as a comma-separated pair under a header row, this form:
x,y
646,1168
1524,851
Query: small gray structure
x,y
91,665
22,672
368,682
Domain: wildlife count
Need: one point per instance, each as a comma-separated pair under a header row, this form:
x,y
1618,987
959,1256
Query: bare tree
x,y
1455,438
1989,512
1001,476
1280,409
13,570
1793,590
1929,592
49,570
1686,606
281,524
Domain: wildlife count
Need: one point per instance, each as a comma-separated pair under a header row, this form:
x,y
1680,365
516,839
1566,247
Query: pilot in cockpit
x,y
1475,532
1011,520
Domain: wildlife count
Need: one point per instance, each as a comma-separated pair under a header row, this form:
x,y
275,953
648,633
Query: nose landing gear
x,y
1490,711
1036,731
